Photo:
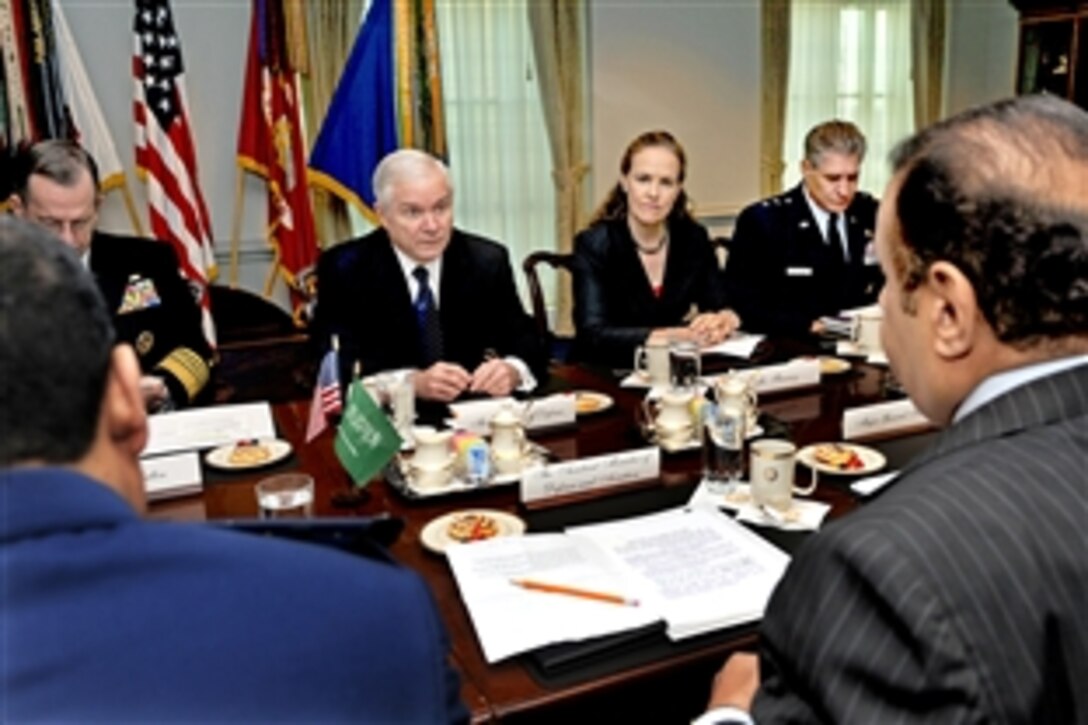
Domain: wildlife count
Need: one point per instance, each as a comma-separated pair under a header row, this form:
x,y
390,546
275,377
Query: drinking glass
x,y
286,495
723,448
685,365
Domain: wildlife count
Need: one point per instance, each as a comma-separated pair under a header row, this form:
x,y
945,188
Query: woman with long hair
x,y
644,269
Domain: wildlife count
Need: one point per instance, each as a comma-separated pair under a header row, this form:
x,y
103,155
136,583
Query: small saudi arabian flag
x,y
366,440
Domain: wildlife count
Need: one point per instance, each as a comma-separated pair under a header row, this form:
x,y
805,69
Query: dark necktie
x,y
834,240
430,330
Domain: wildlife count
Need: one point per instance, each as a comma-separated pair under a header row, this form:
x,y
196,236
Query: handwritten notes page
x,y
697,570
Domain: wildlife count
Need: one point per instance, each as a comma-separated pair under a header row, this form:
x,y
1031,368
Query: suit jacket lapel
x,y
805,229
110,276
1040,402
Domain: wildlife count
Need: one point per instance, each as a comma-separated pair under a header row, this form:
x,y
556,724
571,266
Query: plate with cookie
x,y
587,402
464,527
248,454
842,459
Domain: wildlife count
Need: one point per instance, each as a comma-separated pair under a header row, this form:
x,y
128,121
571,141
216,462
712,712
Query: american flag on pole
x,y
327,400
164,149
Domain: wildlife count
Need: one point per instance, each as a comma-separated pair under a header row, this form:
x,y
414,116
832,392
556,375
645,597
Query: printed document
x,y
697,570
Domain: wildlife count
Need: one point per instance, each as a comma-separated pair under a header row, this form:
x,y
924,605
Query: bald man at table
x,y
960,594
107,617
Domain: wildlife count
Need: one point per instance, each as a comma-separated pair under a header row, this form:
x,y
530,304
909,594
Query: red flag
x,y
270,145
164,149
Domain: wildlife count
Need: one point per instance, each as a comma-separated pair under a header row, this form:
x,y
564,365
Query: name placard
x,y
172,475
549,412
882,418
571,478
795,374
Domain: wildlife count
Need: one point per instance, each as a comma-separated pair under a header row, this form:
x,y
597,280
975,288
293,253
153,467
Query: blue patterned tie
x,y
430,330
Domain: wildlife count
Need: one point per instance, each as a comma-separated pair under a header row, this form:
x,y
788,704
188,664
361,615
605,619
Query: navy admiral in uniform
x,y
419,294
808,252
153,308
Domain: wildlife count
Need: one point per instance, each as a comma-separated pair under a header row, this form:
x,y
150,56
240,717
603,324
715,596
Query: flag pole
x,y
273,273
236,224
130,206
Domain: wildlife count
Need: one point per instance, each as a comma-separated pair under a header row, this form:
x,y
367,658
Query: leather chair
x,y
262,354
558,347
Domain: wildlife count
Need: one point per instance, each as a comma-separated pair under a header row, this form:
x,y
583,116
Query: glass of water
x,y
723,448
287,495
685,365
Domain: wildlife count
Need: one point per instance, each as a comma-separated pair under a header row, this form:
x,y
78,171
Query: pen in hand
x,y
574,592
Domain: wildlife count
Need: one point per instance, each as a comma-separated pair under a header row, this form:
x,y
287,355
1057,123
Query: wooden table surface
x,y
672,688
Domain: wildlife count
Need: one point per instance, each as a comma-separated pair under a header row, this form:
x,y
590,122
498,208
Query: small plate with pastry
x,y
842,459
587,402
465,527
248,454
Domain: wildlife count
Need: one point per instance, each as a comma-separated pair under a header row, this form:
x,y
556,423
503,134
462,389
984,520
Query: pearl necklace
x,y
650,251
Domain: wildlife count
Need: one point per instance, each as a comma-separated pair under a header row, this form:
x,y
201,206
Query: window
x,y
850,59
500,160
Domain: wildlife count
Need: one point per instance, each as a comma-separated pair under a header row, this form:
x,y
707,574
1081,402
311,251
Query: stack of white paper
x,y
696,570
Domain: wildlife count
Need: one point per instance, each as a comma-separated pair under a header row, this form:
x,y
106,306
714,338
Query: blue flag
x,y
361,124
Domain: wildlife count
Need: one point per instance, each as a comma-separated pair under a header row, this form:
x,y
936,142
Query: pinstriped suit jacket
x,y
961,594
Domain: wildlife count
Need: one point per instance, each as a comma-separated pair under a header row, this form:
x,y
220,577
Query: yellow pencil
x,y
574,592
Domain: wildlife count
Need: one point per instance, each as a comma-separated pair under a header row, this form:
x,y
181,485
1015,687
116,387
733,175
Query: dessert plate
x,y
460,527
247,455
863,461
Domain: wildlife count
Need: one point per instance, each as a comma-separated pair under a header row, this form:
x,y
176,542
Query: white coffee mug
x,y
867,332
770,471
652,361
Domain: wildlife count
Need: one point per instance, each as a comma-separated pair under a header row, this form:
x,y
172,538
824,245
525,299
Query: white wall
x,y
690,67
981,57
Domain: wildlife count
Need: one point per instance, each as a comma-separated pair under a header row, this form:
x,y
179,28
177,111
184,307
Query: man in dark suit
x,y
153,308
808,252
419,294
960,594
107,617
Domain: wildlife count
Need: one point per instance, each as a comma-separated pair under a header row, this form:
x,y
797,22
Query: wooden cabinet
x,y
1053,56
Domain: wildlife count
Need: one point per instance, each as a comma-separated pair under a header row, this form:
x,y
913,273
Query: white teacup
x,y
432,448
866,332
652,362
771,471
425,478
673,422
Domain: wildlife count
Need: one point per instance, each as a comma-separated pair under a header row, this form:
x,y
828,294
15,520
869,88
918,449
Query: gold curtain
x,y
331,28
776,69
419,77
927,34
556,27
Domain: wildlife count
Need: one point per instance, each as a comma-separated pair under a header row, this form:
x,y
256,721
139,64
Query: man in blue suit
x,y
807,252
960,594
105,616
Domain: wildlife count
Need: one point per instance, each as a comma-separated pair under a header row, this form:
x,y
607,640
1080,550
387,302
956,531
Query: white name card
x,y
216,425
795,374
881,418
590,474
555,410
168,476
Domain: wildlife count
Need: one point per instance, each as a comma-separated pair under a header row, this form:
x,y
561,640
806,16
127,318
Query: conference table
x,y
652,680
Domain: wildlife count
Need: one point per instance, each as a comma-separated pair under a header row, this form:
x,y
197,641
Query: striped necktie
x,y
430,329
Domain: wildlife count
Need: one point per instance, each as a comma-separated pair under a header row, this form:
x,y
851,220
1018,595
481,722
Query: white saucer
x,y
435,535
